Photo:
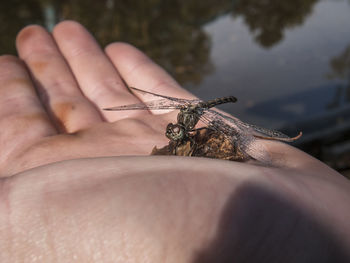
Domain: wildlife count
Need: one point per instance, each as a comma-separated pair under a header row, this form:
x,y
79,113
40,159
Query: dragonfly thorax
x,y
188,117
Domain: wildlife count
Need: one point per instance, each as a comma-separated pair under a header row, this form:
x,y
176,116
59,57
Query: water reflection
x,y
269,19
315,101
168,31
340,66
14,15
315,109
322,113
171,32
311,102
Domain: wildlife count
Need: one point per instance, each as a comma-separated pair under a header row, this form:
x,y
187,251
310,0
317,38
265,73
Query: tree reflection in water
x,y
268,19
170,32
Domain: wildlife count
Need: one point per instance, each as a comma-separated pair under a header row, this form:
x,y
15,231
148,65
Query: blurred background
x,y
287,61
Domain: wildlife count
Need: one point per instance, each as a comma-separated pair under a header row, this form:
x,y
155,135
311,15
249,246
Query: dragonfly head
x,y
175,132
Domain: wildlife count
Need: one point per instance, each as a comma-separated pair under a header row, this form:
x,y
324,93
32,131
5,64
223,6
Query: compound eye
x,y
174,132
173,128
176,129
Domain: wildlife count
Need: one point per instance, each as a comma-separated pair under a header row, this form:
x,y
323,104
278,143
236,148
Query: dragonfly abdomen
x,y
212,103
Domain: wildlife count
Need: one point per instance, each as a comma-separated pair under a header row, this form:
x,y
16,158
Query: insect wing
x,y
227,125
167,103
256,131
264,133
176,100
237,131
161,104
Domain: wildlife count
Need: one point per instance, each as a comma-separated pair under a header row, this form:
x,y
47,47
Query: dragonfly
x,y
192,111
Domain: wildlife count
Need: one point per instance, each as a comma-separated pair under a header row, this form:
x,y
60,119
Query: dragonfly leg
x,y
183,147
193,145
175,148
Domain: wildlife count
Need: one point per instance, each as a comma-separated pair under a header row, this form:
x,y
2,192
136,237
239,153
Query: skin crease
x,y
77,184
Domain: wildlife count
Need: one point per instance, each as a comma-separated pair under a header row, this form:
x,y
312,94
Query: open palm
x,y
77,184
51,105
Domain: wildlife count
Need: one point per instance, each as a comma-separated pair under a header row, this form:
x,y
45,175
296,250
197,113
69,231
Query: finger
x,y
22,116
60,93
96,75
141,72
287,156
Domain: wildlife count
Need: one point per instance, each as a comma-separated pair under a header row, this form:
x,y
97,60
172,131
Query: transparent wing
x,y
160,104
253,129
178,100
236,132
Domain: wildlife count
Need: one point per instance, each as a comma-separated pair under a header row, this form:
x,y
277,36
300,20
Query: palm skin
x,y
77,183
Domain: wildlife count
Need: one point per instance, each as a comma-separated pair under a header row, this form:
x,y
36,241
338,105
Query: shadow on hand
x,y
258,225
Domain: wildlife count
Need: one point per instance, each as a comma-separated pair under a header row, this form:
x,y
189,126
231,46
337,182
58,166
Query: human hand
x,y
54,111
139,208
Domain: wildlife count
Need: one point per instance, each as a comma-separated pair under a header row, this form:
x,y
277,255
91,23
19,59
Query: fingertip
x,y
28,32
67,27
138,70
117,47
126,54
74,40
9,59
287,156
10,66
